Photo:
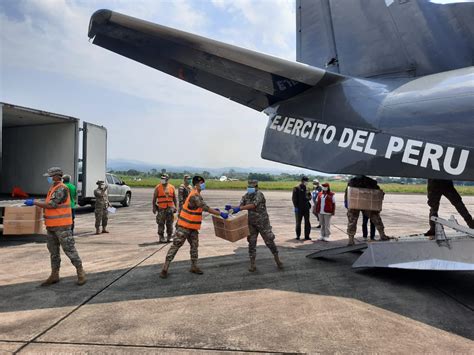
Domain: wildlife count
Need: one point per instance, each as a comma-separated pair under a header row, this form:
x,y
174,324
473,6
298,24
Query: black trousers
x,y
307,225
365,222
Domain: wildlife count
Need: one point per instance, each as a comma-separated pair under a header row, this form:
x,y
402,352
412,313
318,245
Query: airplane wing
x,y
250,78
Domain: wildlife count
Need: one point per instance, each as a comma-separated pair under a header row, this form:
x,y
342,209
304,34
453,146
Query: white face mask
x,y
325,188
163,181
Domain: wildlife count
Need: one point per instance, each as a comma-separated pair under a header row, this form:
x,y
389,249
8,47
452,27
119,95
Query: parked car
x,y
117,189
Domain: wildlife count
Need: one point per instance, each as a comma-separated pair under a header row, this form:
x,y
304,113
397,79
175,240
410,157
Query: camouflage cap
x,y
100,182
253,183
186,176
165,176
54,171
315,181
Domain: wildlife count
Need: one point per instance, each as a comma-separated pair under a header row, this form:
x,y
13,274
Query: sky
x,y
47,63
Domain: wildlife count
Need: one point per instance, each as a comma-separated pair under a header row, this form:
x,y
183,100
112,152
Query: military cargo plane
x,y
380,88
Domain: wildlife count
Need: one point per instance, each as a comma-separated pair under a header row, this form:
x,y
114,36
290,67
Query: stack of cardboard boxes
x,y
23,220
233,228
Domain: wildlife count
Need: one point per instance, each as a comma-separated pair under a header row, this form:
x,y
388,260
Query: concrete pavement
x,y
311,306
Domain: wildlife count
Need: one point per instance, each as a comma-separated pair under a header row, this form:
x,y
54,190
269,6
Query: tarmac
x,y
312,306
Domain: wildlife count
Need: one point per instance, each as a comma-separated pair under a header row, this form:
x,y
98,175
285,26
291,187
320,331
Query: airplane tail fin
x,y
250,78
377,38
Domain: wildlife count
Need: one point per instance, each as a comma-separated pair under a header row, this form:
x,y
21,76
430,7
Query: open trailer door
x,y
94,159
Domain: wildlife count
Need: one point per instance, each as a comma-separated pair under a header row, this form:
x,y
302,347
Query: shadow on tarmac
x,y
440,299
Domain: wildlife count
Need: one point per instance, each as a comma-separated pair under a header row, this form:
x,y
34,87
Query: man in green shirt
x,y
73,193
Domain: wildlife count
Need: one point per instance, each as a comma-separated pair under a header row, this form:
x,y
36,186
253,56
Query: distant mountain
x,y
125,164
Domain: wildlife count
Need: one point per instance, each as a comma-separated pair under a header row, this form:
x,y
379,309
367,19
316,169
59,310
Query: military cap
x,y
198,179
186,176
100,182
315,181
253,183
54,171
304,178
165,176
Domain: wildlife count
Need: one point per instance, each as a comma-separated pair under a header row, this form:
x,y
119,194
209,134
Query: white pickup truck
x,y
117,189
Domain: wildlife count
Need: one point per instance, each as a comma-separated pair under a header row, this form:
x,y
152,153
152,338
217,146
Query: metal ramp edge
x,y
336,251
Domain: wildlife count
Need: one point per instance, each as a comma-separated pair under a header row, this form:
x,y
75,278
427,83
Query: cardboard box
x,y
364,199
233,228
23,213
23,227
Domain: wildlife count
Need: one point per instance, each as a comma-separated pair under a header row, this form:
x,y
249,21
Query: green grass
x,y
336,186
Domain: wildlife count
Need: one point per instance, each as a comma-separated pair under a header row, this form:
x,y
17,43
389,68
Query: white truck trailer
x,y
31,141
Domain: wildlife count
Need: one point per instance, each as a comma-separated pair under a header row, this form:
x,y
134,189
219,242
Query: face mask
x,y
50,180
188,181
203,186
251,190
325,188
163,181
102,186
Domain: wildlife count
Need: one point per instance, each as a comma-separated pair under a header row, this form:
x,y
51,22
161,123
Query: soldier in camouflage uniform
x,y
101,204
183,191
353,215
58,220
259,222
189,224
164,206
438,188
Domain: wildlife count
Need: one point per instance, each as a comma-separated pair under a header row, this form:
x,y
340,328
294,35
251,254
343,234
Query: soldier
x,y
259,222
164,206
189,224
184,190
301,197
101,205
353,215
438,188
58,221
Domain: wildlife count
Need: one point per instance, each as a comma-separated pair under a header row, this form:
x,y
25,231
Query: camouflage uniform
x,y
101,204
61,236
438,188
183,193
192,236
259,222
164,216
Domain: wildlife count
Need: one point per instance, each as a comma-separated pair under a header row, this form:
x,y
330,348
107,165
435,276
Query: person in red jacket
x,y
325,208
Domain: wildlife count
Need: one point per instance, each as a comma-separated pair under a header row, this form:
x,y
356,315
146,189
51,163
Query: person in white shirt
x,y
325,208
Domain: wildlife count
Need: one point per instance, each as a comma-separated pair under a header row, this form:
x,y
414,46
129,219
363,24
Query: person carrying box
x,y
259,222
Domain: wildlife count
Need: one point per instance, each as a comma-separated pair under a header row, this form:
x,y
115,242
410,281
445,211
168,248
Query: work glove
x,y
296,210
236,209
224,215
228,207
30,202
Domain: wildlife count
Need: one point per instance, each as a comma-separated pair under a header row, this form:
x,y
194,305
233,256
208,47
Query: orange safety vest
x,y
164,199
60,216
190,219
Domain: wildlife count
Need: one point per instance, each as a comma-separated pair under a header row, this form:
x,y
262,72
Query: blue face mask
x,y
250,190
203,186
50,180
